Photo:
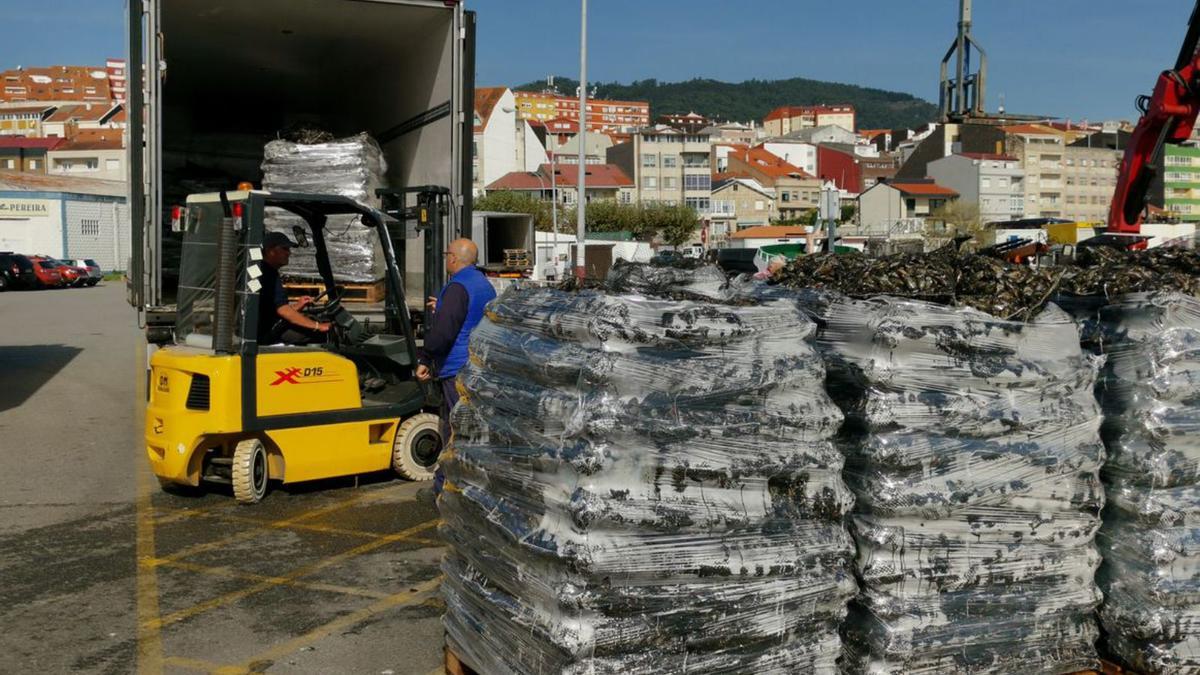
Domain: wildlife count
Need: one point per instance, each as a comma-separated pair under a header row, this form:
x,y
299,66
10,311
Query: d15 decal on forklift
x,y
316,375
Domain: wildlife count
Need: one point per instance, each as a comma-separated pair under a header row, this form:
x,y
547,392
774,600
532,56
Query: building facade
x,y
789,118
668,167
65,217
26,155
602,114
1040,150
603,182
889,207
81,84
1090,177
502,143
24,120
739,203
102,158
995,182
1181,181
796,191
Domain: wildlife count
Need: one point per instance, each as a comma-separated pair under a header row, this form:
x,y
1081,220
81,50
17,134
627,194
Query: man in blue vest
x,y
456,311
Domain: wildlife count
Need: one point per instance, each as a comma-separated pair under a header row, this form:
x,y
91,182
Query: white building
x,y
65,217
884,206
503,143
102,158
995,182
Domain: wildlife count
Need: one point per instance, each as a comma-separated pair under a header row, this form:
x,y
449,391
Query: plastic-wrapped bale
x,y
694,282
1151,533
352,167
640,485
973,450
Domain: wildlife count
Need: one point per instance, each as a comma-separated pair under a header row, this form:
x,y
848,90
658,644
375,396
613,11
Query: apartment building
x,y
25,155
1181,182
789,118
69,120
602,114
796,191
1090,176
24,120
995,182
667,166
690,122
1041,151
739,203
99,156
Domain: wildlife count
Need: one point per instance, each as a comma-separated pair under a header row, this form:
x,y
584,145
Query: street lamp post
x,y
581,221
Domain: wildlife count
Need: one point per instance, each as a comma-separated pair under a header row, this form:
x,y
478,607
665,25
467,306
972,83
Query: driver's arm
x,y
291,314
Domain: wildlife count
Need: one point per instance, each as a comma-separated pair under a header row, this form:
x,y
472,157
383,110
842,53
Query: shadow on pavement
x,y
25,368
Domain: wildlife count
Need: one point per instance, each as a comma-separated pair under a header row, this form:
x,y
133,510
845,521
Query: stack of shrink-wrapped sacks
x,y
644,485
352,167
973,449
1151,535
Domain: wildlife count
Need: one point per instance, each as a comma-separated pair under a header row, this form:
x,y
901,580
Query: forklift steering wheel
x,y
327,311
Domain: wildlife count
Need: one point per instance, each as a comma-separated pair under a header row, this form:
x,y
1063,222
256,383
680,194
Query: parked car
x,y
94,273
47,272
16,271
71,274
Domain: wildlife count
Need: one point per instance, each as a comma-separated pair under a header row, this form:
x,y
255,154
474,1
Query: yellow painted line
x,y
189,551
284,525
230,573
426,541
291,576
291,646
191,664
149,634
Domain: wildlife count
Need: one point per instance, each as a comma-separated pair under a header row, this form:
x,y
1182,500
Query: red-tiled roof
x,y
988,155
90,143
29,143
770,164
924,189
25,110
486,99
562,125
797,110
92,112
598,176
771,232
1030,129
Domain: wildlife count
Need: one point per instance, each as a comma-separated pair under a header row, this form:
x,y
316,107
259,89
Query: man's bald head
x,y
461,254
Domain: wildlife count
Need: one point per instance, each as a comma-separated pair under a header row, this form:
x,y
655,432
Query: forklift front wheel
x,y
250,471
417,446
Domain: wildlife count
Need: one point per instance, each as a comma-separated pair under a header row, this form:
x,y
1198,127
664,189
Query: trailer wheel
x,y
417,446
250,471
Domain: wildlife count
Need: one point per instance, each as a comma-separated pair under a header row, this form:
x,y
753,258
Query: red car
x,y
47,272
73,275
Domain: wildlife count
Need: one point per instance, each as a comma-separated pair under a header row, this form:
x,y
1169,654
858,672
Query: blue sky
x,y
1068,58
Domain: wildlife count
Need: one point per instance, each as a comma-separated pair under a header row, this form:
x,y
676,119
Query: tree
x,y
956,217
674,224
511,201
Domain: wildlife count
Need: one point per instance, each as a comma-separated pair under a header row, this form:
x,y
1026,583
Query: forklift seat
x,y
381,346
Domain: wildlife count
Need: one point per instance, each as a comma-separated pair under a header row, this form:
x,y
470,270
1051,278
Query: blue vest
x,y
479,294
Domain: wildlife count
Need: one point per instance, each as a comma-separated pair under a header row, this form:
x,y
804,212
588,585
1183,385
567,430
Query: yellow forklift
x,y
224,408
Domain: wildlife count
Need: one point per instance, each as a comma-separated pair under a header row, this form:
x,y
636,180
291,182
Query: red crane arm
x,y
1168,116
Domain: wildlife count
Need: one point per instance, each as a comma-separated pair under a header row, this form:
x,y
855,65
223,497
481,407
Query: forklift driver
x,y
278,320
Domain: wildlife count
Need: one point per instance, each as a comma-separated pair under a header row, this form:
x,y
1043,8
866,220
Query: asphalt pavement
x,y
102,572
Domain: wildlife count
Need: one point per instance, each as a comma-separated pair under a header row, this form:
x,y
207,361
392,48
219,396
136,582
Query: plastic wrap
x,y
352,167
644,486
1151,533
973,450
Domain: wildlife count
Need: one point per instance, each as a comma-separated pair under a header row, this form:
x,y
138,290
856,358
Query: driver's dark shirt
x,y
270,299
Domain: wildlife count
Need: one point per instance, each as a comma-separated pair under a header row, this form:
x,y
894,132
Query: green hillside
x,y
753,99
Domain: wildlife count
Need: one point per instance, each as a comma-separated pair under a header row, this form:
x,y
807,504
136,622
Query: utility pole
x,y
581,211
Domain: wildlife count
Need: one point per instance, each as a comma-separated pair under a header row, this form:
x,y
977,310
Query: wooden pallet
x,y
1107,668
372,292
455,665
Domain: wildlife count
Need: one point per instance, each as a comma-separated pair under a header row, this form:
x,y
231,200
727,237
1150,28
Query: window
x,y
985,182
698,203
669,161
697,182
651,182
649,160
112,165
1001,182
758,205
670,183
90,228
34,165
910,205
10,163
91,164
624,197
785,196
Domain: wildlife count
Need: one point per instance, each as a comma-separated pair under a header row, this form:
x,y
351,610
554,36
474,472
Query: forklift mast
x,y
429,211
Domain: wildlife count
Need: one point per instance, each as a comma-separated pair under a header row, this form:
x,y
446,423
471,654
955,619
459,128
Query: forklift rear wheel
x,y
250,474
417,446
